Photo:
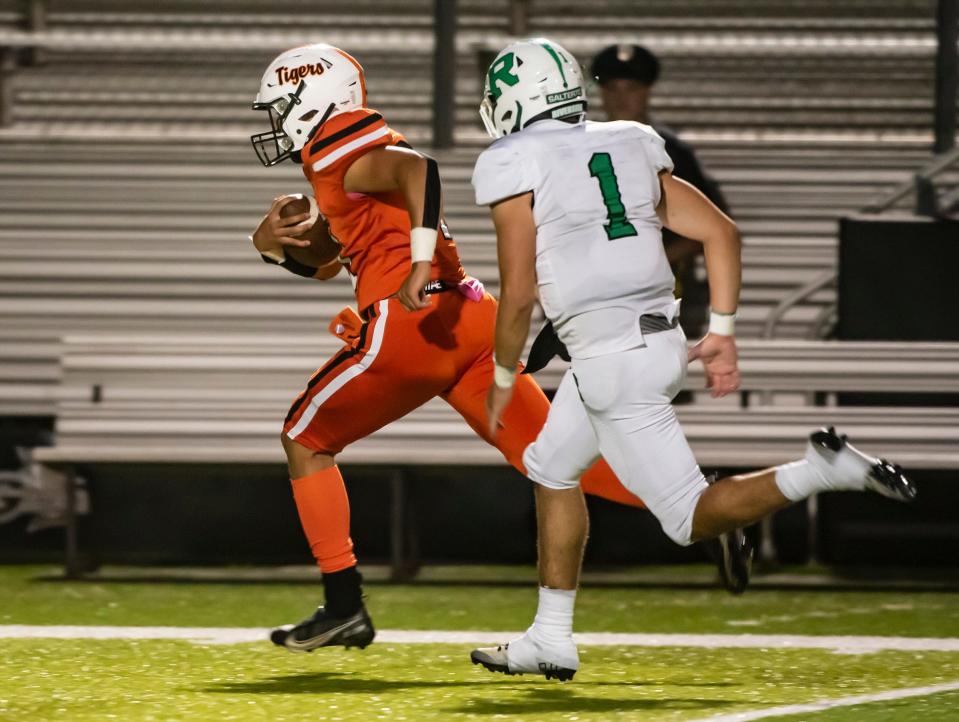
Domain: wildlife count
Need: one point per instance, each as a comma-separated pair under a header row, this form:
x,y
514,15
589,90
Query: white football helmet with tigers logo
x,y
529,81
302,89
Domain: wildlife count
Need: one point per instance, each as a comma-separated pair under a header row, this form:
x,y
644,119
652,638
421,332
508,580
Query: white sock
x,y
554,616
799,479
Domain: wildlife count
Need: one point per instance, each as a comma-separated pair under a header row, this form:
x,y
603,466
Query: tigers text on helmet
x,y
528,81
302,89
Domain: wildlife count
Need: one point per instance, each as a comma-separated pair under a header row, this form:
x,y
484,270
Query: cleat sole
x,y
490,666
891,482
562,674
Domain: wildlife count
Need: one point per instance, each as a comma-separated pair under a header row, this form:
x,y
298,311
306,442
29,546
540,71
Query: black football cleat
x,y
322,630
834,455
733,554
734,559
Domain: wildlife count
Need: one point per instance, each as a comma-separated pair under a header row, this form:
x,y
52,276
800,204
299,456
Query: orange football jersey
x,y
374,230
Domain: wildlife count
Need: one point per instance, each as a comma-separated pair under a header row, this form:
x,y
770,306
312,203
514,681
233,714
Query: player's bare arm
x,y
686,211
392,168
277,236
516,250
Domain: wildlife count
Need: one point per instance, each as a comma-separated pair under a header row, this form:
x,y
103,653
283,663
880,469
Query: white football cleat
x,y
844,465
523,655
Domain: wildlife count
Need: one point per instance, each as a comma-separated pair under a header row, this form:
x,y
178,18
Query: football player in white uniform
x,y
579,208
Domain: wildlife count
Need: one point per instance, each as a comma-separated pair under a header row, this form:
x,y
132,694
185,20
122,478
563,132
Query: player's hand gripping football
x,y
412,293
275,231
720,361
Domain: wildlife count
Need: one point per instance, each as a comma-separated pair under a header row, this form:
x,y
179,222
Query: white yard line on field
x,y
825,704
239,635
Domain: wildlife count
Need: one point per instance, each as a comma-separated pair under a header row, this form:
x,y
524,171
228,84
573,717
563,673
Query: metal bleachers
x,y
152,237
137,397
219,399
127,187
104,368
779,65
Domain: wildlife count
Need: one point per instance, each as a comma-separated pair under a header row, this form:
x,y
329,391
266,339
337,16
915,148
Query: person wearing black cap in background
x,y
626,75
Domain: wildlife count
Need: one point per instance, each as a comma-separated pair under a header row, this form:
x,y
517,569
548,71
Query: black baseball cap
x,y
625,61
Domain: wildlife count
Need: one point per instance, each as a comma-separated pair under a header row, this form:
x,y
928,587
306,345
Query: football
x,y
323,249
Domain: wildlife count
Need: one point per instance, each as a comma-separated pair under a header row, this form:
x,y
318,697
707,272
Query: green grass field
x,y
168,679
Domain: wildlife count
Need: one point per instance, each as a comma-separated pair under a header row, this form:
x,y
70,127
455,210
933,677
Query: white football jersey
x,y
600,262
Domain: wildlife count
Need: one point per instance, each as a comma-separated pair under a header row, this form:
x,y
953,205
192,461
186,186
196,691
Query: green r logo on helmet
x,y
502,69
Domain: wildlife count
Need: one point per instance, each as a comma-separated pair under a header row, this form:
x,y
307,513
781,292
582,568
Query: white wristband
x,y
503,376
422,244
722,324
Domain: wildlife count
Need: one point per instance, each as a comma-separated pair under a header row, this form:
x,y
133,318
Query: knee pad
x,y
538,470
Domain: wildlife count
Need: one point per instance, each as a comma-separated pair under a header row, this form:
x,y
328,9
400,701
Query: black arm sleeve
x,y
434,193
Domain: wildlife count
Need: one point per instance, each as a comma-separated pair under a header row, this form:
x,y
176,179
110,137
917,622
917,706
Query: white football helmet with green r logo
x,y
532,80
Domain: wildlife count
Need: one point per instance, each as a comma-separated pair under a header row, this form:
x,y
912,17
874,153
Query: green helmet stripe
x,y
559,63
517,126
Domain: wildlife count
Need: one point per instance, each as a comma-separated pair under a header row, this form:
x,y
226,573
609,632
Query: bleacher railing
x,y
921,183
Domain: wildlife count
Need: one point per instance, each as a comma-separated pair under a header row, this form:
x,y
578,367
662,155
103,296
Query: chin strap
x,y
309,138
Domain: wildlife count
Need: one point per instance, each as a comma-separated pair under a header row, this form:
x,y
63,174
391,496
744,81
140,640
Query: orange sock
x,y
600,481
324,512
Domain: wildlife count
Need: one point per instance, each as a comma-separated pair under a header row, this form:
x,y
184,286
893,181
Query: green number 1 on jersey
x,y
601,168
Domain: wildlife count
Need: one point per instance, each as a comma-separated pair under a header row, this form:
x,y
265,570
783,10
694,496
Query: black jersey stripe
x,y
345,133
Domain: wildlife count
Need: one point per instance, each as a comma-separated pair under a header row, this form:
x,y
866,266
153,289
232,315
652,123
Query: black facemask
x,y
274,146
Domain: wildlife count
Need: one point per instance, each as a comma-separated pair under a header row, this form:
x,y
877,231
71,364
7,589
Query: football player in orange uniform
x,y
427,328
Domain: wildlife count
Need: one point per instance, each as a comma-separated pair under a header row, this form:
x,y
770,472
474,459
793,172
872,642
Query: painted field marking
x,y
825,704
240,635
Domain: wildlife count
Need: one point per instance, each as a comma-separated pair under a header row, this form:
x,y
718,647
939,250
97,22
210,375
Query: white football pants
x,y
619,406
